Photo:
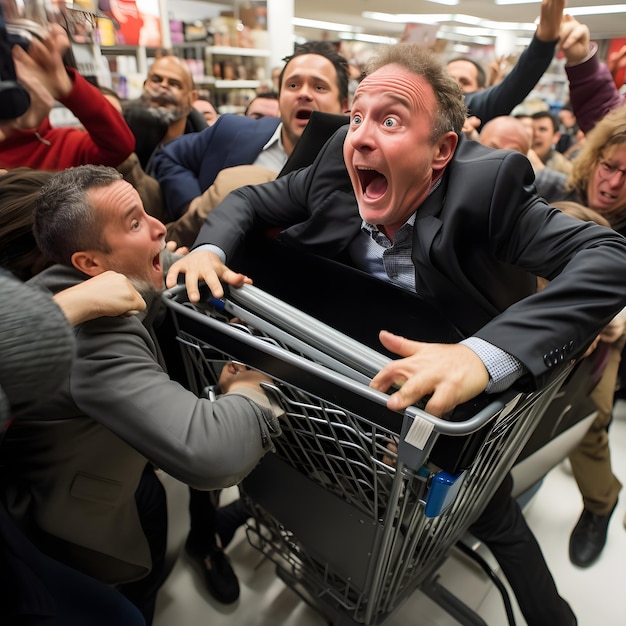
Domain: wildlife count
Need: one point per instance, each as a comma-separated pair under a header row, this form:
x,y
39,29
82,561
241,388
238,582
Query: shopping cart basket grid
x,y
373,545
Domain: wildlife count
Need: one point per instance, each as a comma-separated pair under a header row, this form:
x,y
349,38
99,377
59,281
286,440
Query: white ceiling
x,y
350,11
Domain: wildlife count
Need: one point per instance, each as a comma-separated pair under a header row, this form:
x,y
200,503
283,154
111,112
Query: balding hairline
x,y
188,76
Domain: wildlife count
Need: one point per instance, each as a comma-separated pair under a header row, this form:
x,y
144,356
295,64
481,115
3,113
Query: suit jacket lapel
x,y
435,285
240,151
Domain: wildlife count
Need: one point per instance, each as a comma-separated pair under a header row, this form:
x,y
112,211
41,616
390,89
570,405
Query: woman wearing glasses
x,y
598,181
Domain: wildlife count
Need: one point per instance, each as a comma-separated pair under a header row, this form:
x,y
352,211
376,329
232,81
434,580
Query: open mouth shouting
x,y
373,183
303,115
156,263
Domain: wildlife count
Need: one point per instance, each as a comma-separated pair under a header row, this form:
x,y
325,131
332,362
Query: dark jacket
x,y
502,98
188,165
149,131
479,241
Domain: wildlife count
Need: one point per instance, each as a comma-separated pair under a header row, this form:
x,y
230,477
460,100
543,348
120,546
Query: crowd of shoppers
x,y
86,216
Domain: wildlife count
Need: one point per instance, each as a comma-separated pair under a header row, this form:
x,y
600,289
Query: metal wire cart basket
x,y
359,505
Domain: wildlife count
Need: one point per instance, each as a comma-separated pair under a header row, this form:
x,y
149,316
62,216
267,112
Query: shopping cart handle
x,y
420,429
464,427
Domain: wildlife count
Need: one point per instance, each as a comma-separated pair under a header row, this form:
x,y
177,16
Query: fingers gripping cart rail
x,y
349,506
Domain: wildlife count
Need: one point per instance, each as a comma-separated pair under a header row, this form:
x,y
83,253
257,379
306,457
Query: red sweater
x,y
106,140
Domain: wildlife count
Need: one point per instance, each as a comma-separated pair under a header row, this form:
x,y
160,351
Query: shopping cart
x,y
350,506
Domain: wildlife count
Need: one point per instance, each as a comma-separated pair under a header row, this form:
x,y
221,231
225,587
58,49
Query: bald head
x,y
170,85
505,133
174,68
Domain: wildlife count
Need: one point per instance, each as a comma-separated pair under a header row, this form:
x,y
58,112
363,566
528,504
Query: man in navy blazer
x,y
403,196
314,78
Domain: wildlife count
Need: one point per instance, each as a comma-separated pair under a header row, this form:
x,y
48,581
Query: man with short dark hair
x,y
264,104
468,73
314,78
546,135
98,506
204,106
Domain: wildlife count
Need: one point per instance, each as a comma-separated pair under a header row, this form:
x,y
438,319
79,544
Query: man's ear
x,y
88,262
445,150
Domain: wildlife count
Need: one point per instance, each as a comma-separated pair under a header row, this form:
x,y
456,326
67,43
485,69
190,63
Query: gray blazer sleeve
x,y
117,381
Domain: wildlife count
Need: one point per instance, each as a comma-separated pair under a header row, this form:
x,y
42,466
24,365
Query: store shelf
x,y
248,63
204,80
241,52
139,53
236,84
127,50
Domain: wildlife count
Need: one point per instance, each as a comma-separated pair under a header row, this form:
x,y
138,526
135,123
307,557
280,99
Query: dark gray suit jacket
x,y
479,242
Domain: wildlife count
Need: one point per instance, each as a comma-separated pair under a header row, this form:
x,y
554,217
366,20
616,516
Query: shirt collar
x,y
275,138
411,221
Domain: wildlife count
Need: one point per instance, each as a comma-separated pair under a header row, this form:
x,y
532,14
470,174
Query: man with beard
x,y
165,109
315,78
80,476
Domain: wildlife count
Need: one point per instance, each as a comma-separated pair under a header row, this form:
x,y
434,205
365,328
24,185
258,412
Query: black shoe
x,y
217,572
588,538
229,518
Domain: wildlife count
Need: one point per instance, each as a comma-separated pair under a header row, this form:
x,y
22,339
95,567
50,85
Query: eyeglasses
x,y
608,170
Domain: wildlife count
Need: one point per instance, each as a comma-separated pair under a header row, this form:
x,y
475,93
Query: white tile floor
x,y
596,594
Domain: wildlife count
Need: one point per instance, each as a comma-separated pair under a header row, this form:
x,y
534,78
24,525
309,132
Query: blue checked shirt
x,y
375,254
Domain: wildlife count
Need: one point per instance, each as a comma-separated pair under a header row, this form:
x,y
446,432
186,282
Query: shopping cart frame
x,y
359,560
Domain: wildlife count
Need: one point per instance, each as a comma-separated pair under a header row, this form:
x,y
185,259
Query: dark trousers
x,y
504,531
36,590
152,506
80,600
202,517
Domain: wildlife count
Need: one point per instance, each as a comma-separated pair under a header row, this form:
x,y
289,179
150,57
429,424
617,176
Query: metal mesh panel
x,y
343,517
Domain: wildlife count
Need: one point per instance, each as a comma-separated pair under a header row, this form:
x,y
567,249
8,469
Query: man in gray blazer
x,y
81,480
403,196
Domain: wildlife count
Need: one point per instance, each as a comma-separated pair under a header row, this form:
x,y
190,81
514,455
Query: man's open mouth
x,y
373,183
303,114
156,262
